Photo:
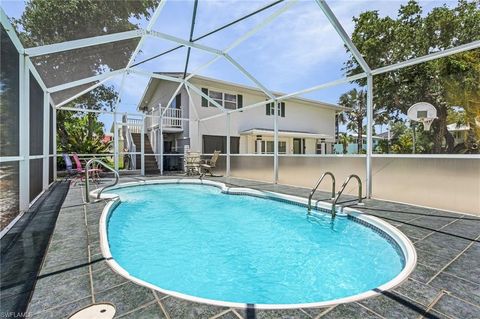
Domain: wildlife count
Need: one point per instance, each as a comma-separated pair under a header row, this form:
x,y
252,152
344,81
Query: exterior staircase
x,y
151,166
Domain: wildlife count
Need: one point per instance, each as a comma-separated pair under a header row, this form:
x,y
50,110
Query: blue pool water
x,y
197,241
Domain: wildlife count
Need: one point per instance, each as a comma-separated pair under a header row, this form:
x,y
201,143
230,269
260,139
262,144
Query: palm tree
x,y
344,139
356,102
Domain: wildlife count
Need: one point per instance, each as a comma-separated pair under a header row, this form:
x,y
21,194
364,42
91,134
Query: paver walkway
x,y
445,283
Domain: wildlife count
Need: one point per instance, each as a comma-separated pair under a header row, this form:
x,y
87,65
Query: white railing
x,y
134,125
172,118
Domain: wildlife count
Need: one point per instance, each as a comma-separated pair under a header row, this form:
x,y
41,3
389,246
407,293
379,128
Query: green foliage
x,y
401,141
85,135
344,139
53,21
465,91
385,41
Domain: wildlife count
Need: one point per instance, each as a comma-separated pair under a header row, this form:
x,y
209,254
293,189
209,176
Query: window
x,y
227,100
321,146
216,96
267,147
298,146
269,109
177,102
213,143
230,101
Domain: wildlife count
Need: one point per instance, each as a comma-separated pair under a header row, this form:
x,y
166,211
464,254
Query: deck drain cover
x,y
96,311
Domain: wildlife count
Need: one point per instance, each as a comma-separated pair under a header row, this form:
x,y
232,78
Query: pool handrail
x,y
87,166
359,181
316,186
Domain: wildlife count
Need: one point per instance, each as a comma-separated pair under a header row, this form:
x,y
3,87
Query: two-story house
x,y
305,126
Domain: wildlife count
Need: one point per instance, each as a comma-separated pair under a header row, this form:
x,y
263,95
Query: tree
x,y
384,41
84,135
344,139
401,141
462,87
355,100
53,21
77,128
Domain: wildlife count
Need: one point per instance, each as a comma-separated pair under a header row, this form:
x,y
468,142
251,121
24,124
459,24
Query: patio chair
x,y
192,163
68,163
209,165
93,172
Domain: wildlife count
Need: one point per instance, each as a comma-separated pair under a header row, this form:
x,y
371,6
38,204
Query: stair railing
x,y
318,184
87,186
359,181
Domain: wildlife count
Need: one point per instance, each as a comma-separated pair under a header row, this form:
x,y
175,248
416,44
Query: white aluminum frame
x,y
24,134
83,43
26,66
46,138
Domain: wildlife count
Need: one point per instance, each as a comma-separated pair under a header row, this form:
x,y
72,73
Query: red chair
x,y
93,173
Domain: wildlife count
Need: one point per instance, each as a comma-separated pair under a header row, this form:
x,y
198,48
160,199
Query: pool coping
x,y
401,240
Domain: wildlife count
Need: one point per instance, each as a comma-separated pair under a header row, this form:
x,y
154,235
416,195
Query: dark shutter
x,y
204,100
267,109
282,109
239,101
234,145
178,101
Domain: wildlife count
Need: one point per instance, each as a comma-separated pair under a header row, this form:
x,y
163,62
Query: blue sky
x,y
298,50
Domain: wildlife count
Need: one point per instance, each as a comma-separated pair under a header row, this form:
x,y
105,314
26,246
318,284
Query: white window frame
x,y
264,149
223,100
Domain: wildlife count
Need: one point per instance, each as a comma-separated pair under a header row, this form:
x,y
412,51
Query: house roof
x,y
457,128
151,88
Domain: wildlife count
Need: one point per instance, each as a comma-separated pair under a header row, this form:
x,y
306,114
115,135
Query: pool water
x,y
195,240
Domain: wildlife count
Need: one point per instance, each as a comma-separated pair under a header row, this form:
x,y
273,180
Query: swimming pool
x,y
201,242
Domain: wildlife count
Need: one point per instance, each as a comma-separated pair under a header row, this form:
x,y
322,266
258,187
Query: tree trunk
x,y
441,133
359,137
450,141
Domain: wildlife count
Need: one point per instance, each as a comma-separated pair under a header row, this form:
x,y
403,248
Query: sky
x,y
298,50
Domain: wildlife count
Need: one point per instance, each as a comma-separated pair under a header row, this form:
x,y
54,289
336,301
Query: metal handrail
x,y
316,186
343,188
87,166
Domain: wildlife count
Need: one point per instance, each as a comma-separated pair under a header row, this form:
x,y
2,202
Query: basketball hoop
x,y
424,113
427,122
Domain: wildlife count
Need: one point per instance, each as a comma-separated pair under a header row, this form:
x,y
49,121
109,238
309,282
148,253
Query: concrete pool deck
x,y
445,283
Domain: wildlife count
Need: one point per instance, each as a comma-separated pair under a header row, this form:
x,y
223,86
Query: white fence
x,y
442,182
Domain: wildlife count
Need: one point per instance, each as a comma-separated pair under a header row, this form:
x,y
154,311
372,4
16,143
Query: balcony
x,y
172,119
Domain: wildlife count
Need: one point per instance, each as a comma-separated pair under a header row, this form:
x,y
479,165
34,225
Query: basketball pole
x,y
414,137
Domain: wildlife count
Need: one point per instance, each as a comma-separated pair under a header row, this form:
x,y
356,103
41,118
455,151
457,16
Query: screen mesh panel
x,y
63,95
9,96
36,175
78,19
8,193
67,66
36,117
